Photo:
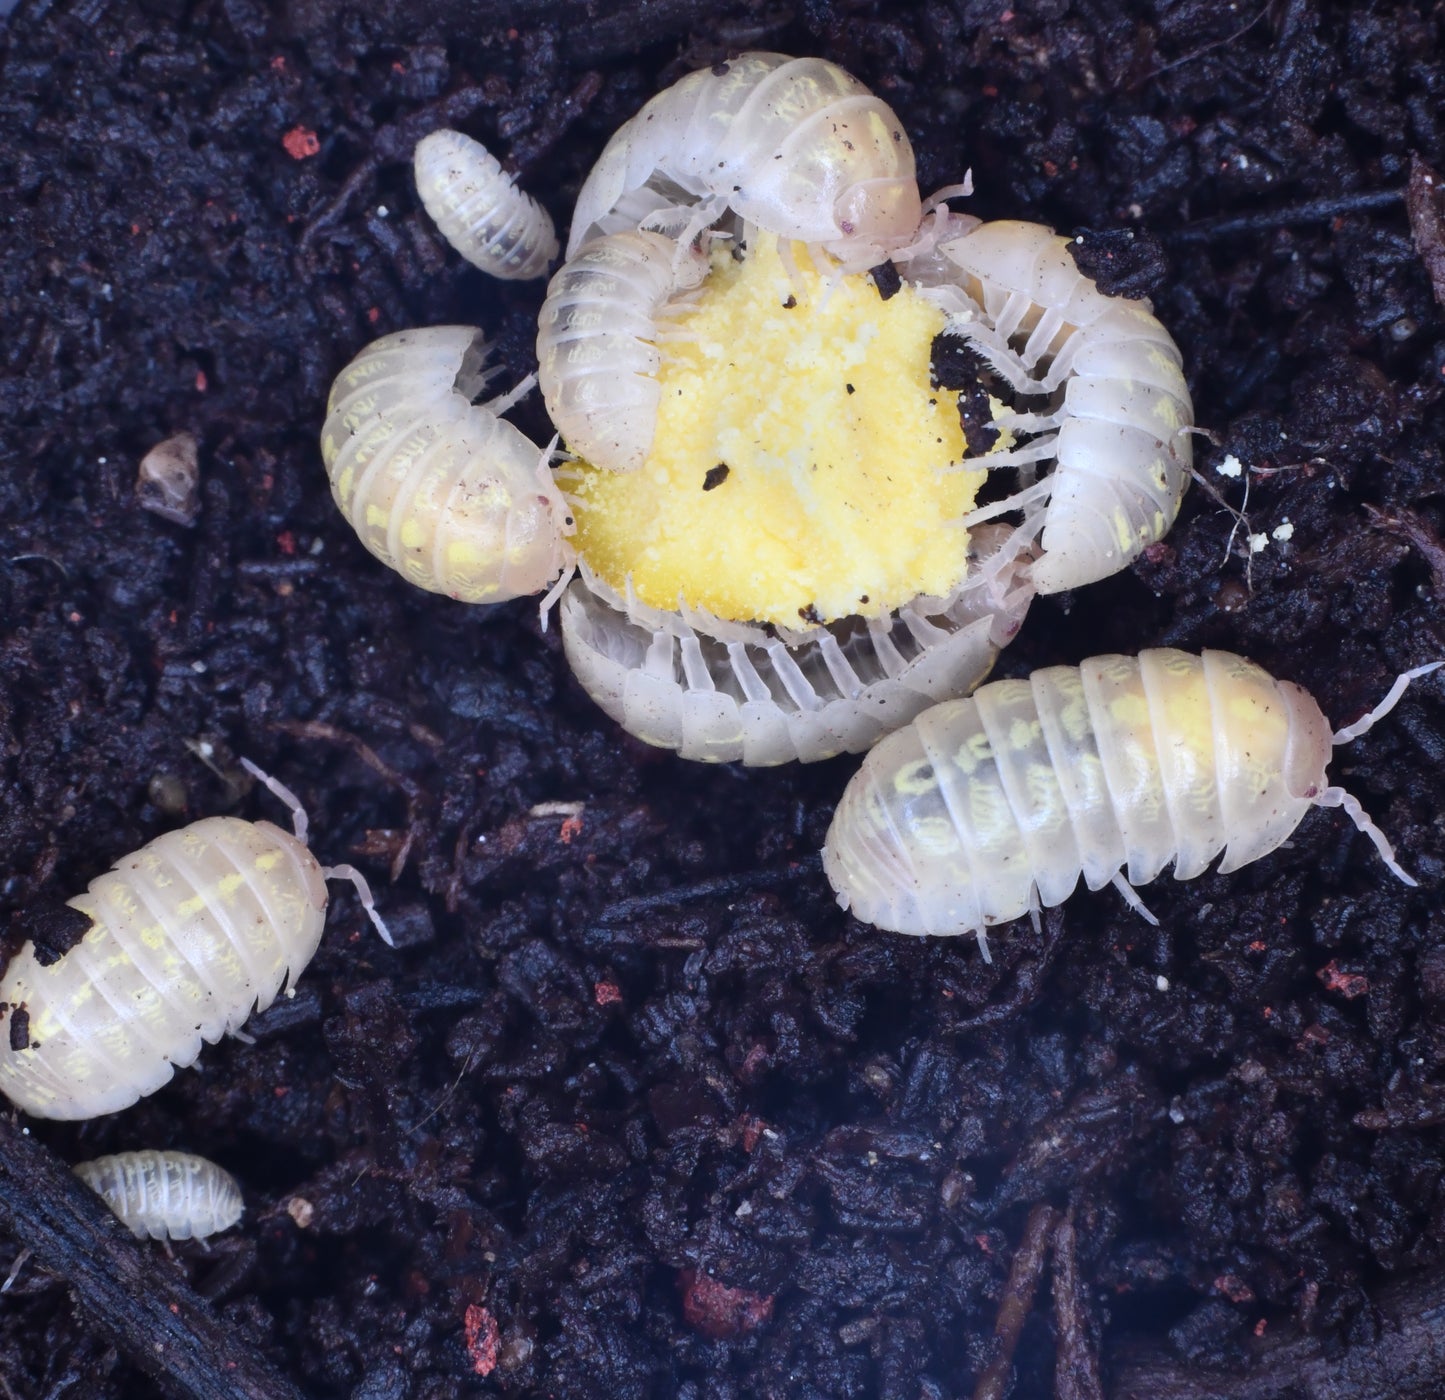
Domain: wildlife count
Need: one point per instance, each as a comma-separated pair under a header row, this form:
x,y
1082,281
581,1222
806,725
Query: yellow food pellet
x,y
797,467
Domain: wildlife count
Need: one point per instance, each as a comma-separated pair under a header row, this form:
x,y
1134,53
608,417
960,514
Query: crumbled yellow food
x,y
796,472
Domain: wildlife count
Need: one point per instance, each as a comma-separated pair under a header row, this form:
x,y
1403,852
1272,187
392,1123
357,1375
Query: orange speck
x,y
278,63
373,314
483,1336
719,1311
1260,1326
201,381
1234,1288
989,90
398,68
300,142
752,1131
570,828
1258,946
1348,984
1050,169
286,542
135,228
280,1091
605,993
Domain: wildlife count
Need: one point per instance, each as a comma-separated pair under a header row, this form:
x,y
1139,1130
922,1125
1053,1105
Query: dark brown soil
x,y
635,1110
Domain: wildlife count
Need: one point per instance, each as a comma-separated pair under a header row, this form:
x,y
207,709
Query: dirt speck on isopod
x,y
838,1136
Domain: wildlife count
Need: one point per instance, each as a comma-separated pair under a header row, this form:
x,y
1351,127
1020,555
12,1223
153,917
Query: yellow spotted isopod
x,y
985,809
165,1195
187,937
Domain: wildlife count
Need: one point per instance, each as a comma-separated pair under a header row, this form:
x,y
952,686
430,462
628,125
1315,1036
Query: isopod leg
x,y
363,892
1131,898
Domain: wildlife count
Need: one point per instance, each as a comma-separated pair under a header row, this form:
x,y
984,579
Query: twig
x,y
719,885
1076,1367
1017,1302
1266,220
125,1288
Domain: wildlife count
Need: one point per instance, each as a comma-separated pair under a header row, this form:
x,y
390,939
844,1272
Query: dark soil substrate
x,y
635,1110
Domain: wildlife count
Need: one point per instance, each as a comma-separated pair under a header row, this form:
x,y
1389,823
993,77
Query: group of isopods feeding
x,y
968,813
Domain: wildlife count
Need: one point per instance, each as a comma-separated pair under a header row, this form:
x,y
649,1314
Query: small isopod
x,y
985,809
479,209
165,1195
794,145
187,937
1114,407
597,342
439,488
718,691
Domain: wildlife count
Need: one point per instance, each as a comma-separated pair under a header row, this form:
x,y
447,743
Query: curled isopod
x,y
1110,406
187,937
597,342
165,1195
794,145
479,209
719,691
439,488
985,809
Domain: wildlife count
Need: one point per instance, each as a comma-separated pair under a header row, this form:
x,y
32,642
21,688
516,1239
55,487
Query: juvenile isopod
x,y
187,937
479,209
165,1195
985,809
439,488
794,145
718,691
597,342
1112,407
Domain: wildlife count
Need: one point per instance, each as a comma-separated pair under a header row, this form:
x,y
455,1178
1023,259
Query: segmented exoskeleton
x,y
983,809
479,209
165,1195
719,691
597,342
187,937
794,145
1112,405
439,488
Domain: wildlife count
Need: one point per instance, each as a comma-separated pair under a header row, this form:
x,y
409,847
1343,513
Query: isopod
x,y
597,342
479,209
187,936
165,1195
985,809
439,488
794,145
1114,407
718,691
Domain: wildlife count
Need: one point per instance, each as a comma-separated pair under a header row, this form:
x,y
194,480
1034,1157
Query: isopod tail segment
x,y
986,809
300,825
1100,394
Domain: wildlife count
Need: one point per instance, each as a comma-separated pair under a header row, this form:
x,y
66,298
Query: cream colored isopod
x,y
479,209
165,1195
984,809
439,488
188,936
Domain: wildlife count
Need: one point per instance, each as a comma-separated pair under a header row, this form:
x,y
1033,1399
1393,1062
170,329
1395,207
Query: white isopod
x,y
479,209
718,691
985,809
598,337
794,145
165,1195
1113,408
187,937
441,489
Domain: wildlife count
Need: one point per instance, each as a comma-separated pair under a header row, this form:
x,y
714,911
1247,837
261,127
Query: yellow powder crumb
x,y
796,473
